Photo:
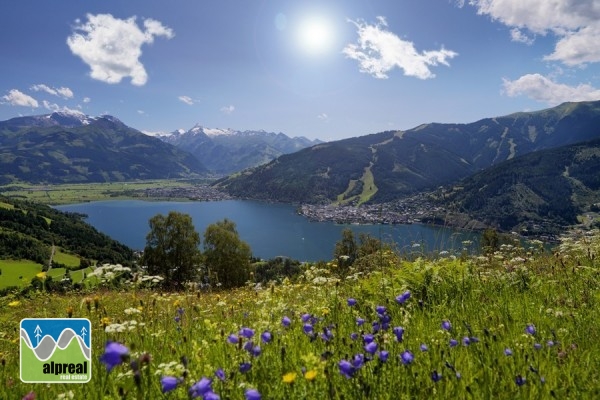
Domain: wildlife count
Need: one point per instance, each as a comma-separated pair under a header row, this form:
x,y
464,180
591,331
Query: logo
x,y
56,350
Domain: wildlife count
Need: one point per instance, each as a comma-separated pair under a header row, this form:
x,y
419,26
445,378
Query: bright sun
x,y
315,35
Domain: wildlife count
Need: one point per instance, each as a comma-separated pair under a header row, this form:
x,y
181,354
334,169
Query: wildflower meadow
x,y
520,322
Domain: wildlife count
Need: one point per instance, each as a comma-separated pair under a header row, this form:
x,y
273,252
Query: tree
x,y
490,241
226,256
172,248
368,245
346,250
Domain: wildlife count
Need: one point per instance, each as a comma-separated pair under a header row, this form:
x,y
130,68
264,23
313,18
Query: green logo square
x,y
56,350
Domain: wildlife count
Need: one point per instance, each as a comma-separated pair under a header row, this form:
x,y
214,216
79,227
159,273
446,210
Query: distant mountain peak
x,y
70,118
226,150
73,147
385,166
112,118
198,128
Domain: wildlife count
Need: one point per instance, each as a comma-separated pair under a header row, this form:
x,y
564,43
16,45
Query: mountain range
x,y
537,193
538,169
226,151
71,147
387,165
535,168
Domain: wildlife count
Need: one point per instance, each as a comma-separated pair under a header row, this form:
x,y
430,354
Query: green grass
x,y
18,272
76,276
67,259
369,187
341,198
525,325
76,193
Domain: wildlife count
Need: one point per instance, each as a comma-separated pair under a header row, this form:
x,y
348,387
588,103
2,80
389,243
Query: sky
x,y
320,69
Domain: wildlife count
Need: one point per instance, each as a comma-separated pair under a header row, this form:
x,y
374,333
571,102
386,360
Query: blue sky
x,y
320,69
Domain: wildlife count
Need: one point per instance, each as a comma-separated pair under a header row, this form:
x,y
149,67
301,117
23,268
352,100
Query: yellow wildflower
x,y
105,321
290,377
310,375
14,303
325,311
176,303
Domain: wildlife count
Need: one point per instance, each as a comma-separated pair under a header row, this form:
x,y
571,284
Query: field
x,y
20,272
77,193
514,324
76,276
66,259
17,272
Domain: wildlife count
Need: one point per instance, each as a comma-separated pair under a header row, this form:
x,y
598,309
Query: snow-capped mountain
x,y
69,119
73,147
225,151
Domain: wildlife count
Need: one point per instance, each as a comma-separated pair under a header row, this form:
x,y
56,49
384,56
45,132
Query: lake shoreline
x,y
270,229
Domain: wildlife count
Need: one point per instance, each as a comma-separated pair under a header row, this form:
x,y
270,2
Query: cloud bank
x,y
378,51
543,89
112,47
574,23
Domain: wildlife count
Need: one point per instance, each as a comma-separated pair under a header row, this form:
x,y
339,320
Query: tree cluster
x,y
348,250
173,251
29,227
14,245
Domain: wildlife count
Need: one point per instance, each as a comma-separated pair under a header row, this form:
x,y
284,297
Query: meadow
x,y
82,192
516,323
20,272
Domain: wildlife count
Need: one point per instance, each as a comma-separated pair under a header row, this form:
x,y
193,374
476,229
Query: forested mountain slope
x,y
29,230
72,147
384,166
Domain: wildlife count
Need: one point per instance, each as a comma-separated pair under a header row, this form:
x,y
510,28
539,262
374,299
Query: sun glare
x,y
315,35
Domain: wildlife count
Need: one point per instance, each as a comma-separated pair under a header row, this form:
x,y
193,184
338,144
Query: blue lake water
x,y
270,229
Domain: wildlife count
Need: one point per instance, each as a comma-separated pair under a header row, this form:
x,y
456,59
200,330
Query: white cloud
x,y
55,108
112,47
227,109
18,98
186,99
378,51
51,106
86,99
543,89
44,88
323,116
517,35
65,92
575,24
62,91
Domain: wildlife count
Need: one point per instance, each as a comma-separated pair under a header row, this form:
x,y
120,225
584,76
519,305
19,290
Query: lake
x,y
271,230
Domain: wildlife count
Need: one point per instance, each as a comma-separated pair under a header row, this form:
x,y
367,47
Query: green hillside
x,y
514,323
35,233
539,192
59,149
405,162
